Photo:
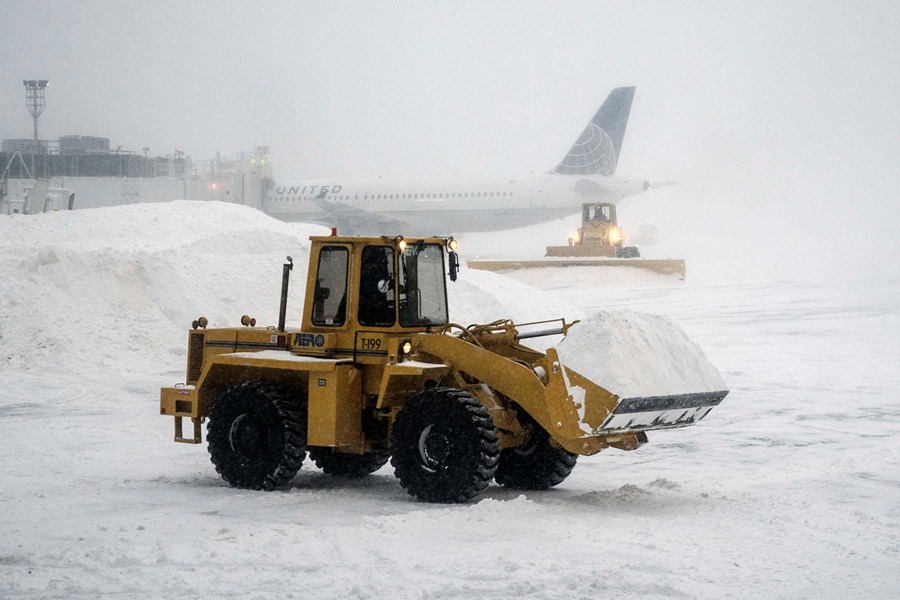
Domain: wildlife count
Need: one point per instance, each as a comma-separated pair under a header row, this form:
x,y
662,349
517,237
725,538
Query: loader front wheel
x,y
536,465
257,436
347,465
445,447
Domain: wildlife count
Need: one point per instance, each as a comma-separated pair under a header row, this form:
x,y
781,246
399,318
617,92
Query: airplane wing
x,y
355,221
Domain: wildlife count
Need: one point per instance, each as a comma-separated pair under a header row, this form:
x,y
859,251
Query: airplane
x,y
431,206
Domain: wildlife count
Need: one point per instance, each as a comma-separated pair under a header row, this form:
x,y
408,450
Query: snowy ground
x,y
789,489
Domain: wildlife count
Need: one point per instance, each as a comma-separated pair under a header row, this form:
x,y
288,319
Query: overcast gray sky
x,y
794,103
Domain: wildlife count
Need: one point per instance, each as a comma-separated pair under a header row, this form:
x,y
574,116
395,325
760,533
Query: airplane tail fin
x,y
596,152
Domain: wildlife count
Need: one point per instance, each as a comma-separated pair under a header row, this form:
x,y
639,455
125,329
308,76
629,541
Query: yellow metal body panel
x,y
335,409
279,360
178,401
222,371
400,381
204,344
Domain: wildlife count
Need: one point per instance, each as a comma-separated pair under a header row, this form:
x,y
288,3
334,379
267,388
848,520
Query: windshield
x,y
423,293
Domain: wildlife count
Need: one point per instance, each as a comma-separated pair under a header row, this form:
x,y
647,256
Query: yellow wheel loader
x,y
377,372
599,242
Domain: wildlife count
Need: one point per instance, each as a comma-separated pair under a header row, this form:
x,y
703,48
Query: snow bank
x,y
482,297
637,354
117,288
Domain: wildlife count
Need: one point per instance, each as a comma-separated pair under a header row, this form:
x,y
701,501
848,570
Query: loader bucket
x,y
661,412
585,417
624,374
597,416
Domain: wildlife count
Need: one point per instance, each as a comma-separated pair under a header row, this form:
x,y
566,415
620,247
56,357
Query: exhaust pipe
x,y
285,280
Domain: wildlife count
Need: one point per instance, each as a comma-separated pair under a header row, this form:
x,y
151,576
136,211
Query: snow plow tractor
x,y
599,235
599,242
378,372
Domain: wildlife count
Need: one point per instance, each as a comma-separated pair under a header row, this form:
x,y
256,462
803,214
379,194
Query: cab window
x,y
330,294
377,297
422,285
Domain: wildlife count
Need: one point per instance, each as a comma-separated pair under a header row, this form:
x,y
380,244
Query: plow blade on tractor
x,y
662,266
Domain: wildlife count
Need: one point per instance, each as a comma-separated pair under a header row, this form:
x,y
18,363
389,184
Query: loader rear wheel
x,y
257,436
348,465
445,447
537,465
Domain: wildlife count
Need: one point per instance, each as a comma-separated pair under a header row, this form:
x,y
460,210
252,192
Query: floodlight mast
x,y
34,101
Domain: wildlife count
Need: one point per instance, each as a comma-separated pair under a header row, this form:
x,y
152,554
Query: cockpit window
x,y
423,292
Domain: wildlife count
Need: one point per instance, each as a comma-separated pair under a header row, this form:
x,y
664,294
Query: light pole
x,y
34,100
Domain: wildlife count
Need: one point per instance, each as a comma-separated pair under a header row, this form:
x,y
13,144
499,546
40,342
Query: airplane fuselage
x,y
429,206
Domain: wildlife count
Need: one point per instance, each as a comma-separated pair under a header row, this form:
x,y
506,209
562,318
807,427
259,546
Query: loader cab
x,y
381,284
598,212
598,226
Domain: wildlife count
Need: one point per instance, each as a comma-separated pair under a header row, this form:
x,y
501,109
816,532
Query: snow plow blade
x,y
662,266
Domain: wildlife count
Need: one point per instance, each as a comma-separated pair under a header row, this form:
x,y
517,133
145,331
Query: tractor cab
x,y
598,212
598,227
361,290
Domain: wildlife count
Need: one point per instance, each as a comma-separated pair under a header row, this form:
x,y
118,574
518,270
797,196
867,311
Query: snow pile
x,y
483,297
636,354
118,287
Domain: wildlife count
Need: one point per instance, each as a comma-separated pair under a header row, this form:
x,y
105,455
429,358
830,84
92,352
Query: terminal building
x,y
79,171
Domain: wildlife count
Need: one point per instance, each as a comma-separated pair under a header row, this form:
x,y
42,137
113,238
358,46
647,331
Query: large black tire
x,y
445,447
536,465
257,436
347,465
